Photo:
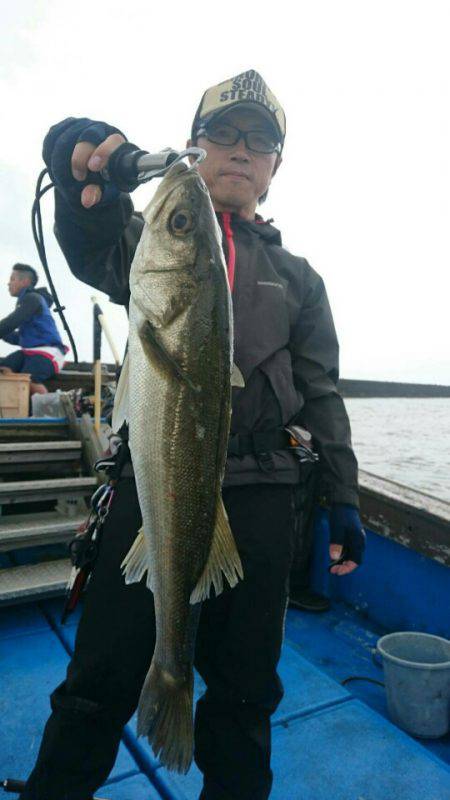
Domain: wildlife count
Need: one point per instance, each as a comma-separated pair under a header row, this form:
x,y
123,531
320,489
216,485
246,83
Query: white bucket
x,y
417,679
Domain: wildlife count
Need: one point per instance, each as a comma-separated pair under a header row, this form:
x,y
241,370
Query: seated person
x,y
31,326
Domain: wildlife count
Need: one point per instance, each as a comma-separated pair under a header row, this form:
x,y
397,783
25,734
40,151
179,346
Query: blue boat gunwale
x,y
414,519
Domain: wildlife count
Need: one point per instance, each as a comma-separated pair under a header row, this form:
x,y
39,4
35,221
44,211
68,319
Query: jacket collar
x,y
264,230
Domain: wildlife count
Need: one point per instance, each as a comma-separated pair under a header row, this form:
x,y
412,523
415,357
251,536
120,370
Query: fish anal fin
x,y
121,410
137,562
223,560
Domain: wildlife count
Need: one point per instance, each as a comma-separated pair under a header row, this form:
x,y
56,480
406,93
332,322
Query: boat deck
x,y
329,740
332,739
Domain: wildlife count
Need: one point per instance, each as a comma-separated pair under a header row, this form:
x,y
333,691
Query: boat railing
x,y
406,515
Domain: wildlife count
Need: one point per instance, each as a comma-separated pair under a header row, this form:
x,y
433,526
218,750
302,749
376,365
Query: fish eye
x,y
181,222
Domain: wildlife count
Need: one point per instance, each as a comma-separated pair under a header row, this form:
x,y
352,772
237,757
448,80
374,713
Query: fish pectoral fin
x,y
137,562
237,379
121,410
223,560
153,346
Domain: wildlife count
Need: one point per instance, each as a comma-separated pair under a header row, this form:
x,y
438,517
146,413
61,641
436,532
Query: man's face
x,y
17,282
235,176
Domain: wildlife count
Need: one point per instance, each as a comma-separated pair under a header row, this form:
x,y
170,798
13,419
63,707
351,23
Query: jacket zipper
x,y
231,262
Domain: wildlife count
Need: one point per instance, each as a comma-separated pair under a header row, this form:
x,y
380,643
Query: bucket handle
x,y
376,658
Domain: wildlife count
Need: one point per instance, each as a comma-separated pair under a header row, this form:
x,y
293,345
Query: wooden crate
x,y
14,395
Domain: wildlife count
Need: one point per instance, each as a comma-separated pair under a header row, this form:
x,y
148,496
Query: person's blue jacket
x,y
31,324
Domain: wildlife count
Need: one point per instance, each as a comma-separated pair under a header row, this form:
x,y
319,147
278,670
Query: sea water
x,y
406,440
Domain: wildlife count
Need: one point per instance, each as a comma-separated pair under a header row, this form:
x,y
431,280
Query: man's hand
x,y
75,151
86,156
347,537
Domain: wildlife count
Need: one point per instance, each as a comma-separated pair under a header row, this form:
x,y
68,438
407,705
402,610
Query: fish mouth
x,y
169,269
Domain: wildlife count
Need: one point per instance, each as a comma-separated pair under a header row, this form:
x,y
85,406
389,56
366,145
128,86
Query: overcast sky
x,y
363,192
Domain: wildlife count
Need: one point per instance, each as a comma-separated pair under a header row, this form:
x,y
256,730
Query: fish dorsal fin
x,y
137,562
223,560
121,410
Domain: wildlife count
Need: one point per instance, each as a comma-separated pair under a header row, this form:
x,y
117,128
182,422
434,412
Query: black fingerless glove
x,y
57,153
346,529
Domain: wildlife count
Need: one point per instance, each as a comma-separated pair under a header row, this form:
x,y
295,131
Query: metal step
x,y
32,530
13,452
35,457
31,429
51,488
33,581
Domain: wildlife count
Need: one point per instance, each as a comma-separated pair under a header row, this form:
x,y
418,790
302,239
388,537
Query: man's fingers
x,y
80,157
90,195
87,156
99,158
335,551
344,569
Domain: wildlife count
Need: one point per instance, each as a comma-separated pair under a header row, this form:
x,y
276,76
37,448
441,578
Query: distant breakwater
x,y
347,387
357,388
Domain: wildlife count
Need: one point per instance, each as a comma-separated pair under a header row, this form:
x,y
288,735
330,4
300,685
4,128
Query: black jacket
x,y
285,340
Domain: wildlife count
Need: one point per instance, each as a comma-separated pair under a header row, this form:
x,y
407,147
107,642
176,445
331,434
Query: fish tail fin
x,y
137,562
165,717
223,560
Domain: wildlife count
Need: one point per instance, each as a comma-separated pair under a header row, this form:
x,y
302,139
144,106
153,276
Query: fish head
x,y
180,228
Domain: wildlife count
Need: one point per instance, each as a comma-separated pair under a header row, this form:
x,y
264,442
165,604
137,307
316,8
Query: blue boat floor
x,y
329,739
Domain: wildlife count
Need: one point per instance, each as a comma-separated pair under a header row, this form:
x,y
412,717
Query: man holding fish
x,y
231,342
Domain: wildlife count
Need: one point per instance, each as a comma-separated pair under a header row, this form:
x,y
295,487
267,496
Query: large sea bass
x,y
175,392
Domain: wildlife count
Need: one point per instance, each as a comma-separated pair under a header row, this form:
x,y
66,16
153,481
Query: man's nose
x,y
240,152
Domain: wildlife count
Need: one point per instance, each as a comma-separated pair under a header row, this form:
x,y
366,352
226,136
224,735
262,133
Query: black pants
x,y
305,498
238,648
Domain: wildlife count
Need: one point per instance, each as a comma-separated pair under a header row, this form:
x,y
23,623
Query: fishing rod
x,y
128,167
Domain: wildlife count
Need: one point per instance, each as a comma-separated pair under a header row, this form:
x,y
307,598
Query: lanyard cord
x,y
38,236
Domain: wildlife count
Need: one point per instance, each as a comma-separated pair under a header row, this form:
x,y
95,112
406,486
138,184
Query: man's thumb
x,y
335,551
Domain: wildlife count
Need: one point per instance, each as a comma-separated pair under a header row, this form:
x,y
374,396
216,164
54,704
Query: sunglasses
x,y
257,141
